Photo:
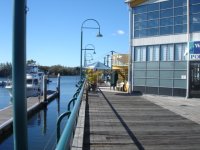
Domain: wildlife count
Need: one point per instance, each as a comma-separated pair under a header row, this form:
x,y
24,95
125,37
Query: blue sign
x,y
195,47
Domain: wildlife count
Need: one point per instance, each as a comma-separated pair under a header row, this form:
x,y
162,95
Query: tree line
x,y
6,70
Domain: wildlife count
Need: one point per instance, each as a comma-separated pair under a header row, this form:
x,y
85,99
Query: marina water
x,y
42,125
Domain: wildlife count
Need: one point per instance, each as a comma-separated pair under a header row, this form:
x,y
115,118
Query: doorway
x,y
194,78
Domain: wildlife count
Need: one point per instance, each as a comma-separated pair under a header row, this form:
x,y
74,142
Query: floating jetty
x,y
33,105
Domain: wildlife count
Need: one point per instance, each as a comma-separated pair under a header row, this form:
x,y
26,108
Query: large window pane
x,y
166,21
153,7
156,53
153,31
153,15
153,23
137,54
143,53
195,27
166,13
195,8
136,33
180,20
180,29
167,53
140,9
180,11
180,51
180,3
163,55
150,53
166,30
195,18
141,17
194,1
166,4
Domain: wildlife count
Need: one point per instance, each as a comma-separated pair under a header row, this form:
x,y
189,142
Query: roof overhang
x,y
134,3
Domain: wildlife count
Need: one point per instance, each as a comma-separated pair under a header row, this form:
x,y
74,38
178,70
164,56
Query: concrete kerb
x,y
79,131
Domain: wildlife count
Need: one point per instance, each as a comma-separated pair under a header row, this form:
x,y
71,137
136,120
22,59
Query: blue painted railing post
x,y
19,76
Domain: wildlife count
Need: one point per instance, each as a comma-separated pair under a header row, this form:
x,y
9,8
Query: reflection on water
x,y
42,126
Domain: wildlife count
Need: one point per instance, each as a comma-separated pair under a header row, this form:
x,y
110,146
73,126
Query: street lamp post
x,y
87,27
88,49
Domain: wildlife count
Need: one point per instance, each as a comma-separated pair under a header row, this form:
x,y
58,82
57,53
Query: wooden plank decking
x,y
118,121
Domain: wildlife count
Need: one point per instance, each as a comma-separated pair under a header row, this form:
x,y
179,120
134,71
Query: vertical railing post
x,y
44,88
58,85
19,76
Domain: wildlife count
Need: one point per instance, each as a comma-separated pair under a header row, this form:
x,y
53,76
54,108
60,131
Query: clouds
x,y
119,32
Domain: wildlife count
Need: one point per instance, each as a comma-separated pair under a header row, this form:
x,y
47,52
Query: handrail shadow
x,y
130,133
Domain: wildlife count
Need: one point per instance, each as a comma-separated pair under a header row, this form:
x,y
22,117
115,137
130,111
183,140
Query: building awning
x,y
134,3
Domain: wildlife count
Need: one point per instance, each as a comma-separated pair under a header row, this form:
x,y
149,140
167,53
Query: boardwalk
x,y
118,121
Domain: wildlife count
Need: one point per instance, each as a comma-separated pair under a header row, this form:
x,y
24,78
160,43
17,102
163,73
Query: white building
x,y
165,47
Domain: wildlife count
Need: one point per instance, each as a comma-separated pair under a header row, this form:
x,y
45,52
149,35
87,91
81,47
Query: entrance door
x,y
195,79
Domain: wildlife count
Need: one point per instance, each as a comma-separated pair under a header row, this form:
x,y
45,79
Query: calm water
x,y
42,126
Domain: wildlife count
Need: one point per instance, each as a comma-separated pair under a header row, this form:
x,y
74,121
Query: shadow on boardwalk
x,y
119,121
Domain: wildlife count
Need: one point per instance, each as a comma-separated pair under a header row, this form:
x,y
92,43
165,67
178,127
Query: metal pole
x,y
19,76
84,58
107,60
130,81
58,85
104,60
188,51
81,54
44,88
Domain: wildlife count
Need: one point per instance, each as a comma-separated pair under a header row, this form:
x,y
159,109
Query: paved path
x,y
118,121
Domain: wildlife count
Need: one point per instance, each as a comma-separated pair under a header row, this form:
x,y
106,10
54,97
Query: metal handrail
x,y
67,113
65,139
69,104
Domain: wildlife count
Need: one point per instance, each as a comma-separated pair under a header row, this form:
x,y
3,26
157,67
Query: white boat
x,y
34,84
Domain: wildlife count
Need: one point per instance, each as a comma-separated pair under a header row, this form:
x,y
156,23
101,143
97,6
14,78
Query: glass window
x,y
180,20
195,18
166,21
153,23
137,54
180,11
150,53
153,53
167,53
153,7
166,4
180,3
180,29
143,33
143,53
156,53
195,27
140,53
166,30
136,33
180,51
137,25
194,1
195,8
141,17
153,31
166,13
140,9
153,15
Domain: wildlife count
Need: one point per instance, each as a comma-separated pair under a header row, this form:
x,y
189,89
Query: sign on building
x,y
194,50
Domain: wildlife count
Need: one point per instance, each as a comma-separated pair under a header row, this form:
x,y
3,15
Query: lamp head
x,y
99,34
